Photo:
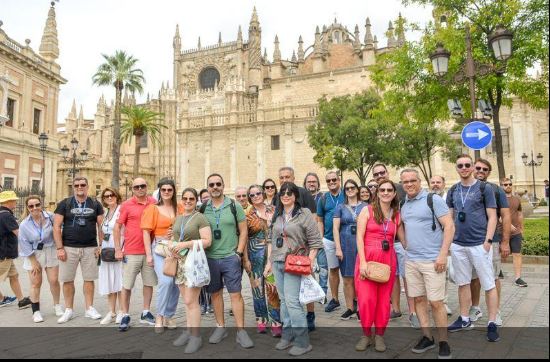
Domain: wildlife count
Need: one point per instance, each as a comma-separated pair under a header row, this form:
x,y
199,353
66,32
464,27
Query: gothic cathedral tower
x,y
254,53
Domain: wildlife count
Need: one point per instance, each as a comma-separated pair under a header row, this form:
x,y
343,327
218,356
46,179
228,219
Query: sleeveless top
x,y
374,233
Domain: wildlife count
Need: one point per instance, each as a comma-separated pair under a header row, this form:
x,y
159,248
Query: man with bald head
x,y
134,252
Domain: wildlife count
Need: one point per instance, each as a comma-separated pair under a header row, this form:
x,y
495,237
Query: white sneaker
x,y
109,318
37,317
498,320
92,313
449,311
475,314
67,316
119,316
59,311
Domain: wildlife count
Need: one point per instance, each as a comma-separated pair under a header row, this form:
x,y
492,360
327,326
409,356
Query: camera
x,y
217,234
106,237
353,229
81,222
279,242
385,245
40,246
462,216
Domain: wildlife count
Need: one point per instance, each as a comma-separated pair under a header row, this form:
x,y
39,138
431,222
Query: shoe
x,y
449,311
244,340
67,316
475,314
444,351
498,320
7,301
363,343
332,306
58,310
310,321
395,315
210,310
296,351
219,334
182,339
460,325
124,324
424,345
283,344
119,316
413,320
92,313
24,303
170,323
262,328
109,318
147,318
379,345
37,317
347,315
323,302
231,313
195,343
520,283
492,333
501,275
276,331
203,309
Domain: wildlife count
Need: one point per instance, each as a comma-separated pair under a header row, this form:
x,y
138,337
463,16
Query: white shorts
x,y
468,258
497,262
47,258
330,251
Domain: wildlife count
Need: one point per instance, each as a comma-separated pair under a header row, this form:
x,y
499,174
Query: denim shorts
x,y
225,272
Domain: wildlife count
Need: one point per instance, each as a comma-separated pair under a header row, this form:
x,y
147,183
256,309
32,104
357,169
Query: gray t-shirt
x,y
468,199
423,243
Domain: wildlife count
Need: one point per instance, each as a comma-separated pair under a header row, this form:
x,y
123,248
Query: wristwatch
x,y
490,241
240,254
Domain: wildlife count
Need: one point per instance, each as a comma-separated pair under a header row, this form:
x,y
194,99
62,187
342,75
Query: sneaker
x,y
444,351
492,333
460,325
379,344
92,313
147,318
310,321
195,343
170,323
58,310
67,316
498,320
231,313
347,315
124,324
262,328
501,275
182,339
358,316
24,303
37,317
395,315
210,310
363,343
109,318
296,351
7,301
203,309
244,340
449,311
219,334
119,316
276,331
332,306
324,301
475,314
424,345
283,344
520,283
413,320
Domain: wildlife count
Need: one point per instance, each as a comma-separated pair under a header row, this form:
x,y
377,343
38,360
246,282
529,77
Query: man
x,y
81,218
226,256
204,196
501,240
516,237
428,233
134,254
325,213
286,174
313,185
475,225
9,231
379,172
241,195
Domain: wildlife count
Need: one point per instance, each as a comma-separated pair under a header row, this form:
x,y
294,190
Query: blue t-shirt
x,y
468,199
325,210
423,243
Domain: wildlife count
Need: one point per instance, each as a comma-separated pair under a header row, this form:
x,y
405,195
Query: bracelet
x,y
61,248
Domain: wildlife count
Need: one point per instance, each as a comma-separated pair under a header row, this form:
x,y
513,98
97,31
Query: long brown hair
x,y
29,198
377,208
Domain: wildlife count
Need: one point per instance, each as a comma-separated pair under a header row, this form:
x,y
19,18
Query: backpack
x,y
482,187
430,202
233,211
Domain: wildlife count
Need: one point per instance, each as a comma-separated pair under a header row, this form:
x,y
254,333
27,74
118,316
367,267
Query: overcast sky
x,y
145,29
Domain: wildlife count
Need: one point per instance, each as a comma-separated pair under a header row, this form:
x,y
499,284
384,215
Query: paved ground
x,y
525,334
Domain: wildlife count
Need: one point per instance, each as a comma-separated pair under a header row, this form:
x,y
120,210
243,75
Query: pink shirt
x,y
130,216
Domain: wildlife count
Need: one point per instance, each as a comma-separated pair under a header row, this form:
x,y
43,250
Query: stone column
x,y
181,160
233,158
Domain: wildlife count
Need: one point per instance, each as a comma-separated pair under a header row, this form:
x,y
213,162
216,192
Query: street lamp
x,y
73,158
532,164
43,139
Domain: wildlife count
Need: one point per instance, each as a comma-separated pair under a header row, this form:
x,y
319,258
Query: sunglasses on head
x,y
332,180
255,195
215,184
108,196
77,186
460,166
269,187
139,187
35,206
378,174
479,168
187,199
287,193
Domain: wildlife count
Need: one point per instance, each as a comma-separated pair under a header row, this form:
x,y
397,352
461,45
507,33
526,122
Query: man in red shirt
x,y
132,250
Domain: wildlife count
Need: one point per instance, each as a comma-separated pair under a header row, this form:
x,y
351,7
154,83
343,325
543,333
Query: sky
x,y
145,29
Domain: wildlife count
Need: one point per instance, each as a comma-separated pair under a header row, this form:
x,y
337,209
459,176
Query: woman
x,y
377,227
157,220
189,227
37,247
270,189
294,228
345,231
258,220
364,194
110,273
373,186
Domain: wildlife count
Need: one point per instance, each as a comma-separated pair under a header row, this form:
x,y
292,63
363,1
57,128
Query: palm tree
x,y
140,122
118,70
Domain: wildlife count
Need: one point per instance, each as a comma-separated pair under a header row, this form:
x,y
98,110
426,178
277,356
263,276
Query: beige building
x,y
29,95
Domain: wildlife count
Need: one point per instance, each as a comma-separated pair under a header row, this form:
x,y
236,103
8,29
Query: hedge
x,y
535,237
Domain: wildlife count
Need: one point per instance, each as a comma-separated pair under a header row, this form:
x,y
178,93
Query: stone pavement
x,y
525,334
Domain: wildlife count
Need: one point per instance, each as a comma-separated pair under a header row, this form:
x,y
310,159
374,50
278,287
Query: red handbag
x,y
298,264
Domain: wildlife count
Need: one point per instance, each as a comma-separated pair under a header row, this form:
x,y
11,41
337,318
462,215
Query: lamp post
x,y
73,157
43,139
532,164
500,41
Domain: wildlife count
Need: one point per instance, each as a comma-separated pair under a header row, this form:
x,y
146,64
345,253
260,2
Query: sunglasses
x,y
255,195
108,196
332,181
167,190
351,188
507,185
287,193
139,187
460,166
215,184
373,186
378,174
240,196
270,187
479,168
35,206
188,199
385,191
79,186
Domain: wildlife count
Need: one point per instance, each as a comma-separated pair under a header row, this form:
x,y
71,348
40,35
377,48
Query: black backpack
x,y
430,202
233,211
482,187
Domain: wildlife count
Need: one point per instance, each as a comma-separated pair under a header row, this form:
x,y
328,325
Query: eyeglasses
x,y
188,199
108,196
240,196
35,206
378,174
507,185
79,186
479,168
287,193
215,184
139,187
373,186
460,166
385,191
332,181
167,190
409,182
255,195
270,187
351,188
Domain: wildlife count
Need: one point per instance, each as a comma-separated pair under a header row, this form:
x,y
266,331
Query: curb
x,y
529,259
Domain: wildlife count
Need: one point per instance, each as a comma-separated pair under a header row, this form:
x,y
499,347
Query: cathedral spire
x,y
356,40
49,47
240,36
220,38
369,40
199,43
294,59
301,53
72,114
400,31
277,51
390,35
177,40
254,21
317,46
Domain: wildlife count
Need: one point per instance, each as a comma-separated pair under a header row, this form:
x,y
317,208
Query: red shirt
x,y
130,216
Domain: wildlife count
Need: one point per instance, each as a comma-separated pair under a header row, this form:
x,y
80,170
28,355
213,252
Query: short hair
x,y
202,192
254,187
286,168
114,191
441,177
504,179
485,162
81,178
241,188
380,165
332,173
464,155
314,175
411,170
215,175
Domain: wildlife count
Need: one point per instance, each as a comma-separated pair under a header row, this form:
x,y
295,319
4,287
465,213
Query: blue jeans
x,y
167,292
293,314
322,263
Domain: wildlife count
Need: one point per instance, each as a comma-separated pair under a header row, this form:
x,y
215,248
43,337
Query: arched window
x,y
209,77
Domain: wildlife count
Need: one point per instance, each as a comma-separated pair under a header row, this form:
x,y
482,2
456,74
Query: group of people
x,y
370,236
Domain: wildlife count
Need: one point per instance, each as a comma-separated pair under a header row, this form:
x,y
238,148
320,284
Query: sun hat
x,y
6,196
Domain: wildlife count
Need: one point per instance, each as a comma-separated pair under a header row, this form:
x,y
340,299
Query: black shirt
x,y
8,240
80,222
305,200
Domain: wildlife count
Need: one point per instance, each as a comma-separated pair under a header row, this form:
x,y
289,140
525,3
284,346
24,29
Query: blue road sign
x,y
477,135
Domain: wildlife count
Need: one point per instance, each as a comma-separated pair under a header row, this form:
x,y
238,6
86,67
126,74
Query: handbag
x,y
163,248
108,255
298,264
170,268
310,290
378,272
197,272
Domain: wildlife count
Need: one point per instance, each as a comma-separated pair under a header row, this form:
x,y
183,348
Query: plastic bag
x,y
197,273
310,290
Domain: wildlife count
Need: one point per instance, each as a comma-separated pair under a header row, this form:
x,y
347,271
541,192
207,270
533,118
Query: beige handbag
x,y
170,268
378,272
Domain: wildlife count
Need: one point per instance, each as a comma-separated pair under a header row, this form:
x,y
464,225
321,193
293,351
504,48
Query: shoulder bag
x,y
298,264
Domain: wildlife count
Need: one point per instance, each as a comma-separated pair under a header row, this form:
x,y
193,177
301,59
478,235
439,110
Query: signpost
x,y
477,135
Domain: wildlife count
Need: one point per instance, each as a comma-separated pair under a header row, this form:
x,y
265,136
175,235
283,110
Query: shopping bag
x,y
310,290
197,273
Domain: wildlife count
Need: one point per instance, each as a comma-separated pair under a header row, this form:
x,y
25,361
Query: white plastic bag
x,y
197,273
310,290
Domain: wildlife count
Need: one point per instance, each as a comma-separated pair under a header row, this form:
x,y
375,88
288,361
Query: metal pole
x,y
533,164
471,74
43,176
74,165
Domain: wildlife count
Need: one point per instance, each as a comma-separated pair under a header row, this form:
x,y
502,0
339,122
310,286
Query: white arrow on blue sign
x,y
477,135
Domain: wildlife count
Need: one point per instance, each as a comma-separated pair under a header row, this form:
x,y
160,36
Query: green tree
x,y
140,122
119,71
350,134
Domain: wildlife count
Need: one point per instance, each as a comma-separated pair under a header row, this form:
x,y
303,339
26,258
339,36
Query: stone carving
x,y
225,63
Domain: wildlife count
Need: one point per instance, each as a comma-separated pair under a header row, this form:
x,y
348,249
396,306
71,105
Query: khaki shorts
x,y
423,280
88,264
134,265
46,257
7,269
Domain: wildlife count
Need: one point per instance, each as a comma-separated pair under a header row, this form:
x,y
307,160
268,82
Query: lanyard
x,y
217,215
464,199
81,208
39,230
386,225
183,224
106,221
353,211
284,222
337,201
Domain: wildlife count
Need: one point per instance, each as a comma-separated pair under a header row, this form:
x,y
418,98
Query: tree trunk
x,y
496,104
137,154
115,182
